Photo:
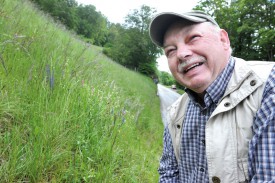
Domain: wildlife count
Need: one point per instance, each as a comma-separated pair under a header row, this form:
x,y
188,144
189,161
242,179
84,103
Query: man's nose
x,y
183,52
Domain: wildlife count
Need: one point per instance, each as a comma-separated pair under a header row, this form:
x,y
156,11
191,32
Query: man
x,y
223,128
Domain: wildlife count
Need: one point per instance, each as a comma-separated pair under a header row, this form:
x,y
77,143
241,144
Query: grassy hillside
x,y
67,112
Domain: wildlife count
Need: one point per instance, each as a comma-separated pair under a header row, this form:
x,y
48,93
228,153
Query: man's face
x,y
196,54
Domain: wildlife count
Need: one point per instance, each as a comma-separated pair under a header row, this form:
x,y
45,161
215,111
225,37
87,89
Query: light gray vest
x,y
229,128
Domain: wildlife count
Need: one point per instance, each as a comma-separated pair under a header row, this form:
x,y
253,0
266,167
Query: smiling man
x,y
222,129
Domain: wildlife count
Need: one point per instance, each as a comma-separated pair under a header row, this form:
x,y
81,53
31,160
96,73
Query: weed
x,y
68,113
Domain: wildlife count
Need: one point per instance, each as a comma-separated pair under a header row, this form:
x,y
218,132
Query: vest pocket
x,y
243,170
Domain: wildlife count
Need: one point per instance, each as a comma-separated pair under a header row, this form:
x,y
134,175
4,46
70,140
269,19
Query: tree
x,y
63,11
85,20
92,24
166,79
133,47
250,24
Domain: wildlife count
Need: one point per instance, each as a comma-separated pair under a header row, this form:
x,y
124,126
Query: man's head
x,y
162,21
196,48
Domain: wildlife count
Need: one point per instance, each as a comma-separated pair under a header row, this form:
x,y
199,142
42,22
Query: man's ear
x,y
225,39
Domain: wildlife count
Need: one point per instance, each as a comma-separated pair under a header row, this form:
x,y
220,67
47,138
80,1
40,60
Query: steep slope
x,y
68,113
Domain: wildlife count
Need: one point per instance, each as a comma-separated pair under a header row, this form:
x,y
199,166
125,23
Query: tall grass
x,y
67,112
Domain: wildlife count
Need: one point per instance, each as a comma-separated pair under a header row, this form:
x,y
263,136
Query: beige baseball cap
x,y
162,21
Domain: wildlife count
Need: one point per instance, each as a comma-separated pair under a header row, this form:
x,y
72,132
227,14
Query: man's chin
x,y
197,86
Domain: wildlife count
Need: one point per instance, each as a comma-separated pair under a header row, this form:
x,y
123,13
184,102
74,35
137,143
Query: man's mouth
x,y
192,67
191,63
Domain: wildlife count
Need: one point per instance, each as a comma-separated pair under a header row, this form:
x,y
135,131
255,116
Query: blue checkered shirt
x,y
192,166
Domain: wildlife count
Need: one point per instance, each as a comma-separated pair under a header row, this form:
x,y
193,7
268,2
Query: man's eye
x,y
169,52
194,37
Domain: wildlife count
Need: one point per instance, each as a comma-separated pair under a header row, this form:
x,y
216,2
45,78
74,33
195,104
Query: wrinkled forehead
x,y
185,27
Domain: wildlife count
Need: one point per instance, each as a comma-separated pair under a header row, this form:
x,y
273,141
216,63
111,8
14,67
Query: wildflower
x,y
50,76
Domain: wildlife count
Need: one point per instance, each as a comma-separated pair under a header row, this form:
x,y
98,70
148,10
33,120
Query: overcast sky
x,y
117,10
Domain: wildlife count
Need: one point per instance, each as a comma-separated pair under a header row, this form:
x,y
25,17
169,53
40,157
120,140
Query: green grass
x,y
67,112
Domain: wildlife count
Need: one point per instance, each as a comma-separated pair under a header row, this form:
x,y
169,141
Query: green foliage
x,y
67,112
165,78
128,45
91,24
132,47
63,11
250,24
148,69
84,20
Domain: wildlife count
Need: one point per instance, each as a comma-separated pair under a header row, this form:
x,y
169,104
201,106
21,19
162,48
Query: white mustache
x,y
190,61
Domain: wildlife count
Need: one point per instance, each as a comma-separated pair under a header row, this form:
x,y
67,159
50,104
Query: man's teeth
x,y
192,66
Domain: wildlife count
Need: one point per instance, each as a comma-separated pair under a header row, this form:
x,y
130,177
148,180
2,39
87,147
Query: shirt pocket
x,y
243,170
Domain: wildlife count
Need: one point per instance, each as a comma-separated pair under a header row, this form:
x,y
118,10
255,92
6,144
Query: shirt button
x,y
216,179
253,83
204,112
226,104
178,126
202,169
203,142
